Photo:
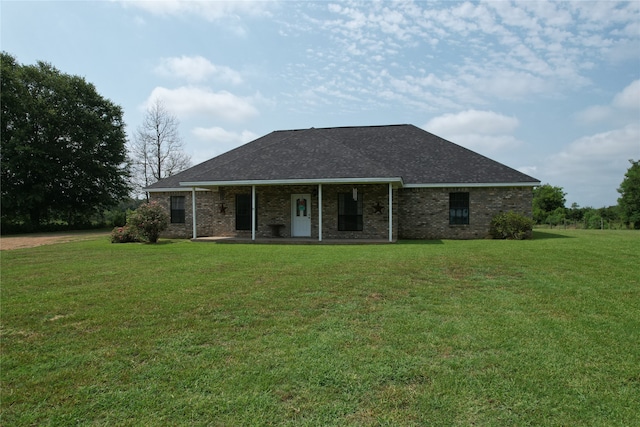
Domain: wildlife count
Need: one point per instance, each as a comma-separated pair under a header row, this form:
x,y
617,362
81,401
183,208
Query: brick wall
x,y
204,206
274,207
419,213
216,211
375,223
424,212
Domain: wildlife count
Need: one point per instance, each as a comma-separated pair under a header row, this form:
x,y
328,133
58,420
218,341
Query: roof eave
x,y
474,184
168,189
312,181
203,185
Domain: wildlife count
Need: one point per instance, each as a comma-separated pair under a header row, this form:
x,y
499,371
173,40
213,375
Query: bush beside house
x,y
144,224
511,225
124,234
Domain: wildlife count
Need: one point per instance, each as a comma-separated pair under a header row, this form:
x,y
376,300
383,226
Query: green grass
x,y
539,332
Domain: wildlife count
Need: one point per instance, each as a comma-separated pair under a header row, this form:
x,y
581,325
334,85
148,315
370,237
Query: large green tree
x,y
548,204
629,201
63,146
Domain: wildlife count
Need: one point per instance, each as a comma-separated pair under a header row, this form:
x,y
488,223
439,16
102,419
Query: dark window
x,y
177,209
350,212
458,208
243,212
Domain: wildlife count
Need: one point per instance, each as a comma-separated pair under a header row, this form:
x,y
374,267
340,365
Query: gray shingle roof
x,y
395,151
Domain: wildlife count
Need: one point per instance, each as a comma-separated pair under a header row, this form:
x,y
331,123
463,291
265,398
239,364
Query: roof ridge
x,y
344,127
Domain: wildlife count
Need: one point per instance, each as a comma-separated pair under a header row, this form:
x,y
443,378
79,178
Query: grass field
x,y
539,332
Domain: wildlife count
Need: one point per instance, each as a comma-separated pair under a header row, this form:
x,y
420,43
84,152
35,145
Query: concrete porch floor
x,y
291,241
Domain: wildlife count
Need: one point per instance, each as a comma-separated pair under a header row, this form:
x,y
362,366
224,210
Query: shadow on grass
x,y
160,243
538,235
420,242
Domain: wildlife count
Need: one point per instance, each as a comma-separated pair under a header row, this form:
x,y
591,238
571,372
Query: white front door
x,y
301,215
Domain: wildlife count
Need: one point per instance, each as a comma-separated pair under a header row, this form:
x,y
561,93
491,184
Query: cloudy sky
x,y
549,88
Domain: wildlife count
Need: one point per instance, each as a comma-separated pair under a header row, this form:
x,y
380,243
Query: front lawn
x,y
538,332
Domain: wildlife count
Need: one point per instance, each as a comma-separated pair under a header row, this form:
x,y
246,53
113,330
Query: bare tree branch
x,y
157,149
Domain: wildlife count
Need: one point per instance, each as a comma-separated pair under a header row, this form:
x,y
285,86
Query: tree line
x,y
66,161
549,206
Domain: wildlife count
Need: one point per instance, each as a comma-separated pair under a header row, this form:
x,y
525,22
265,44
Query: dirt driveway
x,y
22,241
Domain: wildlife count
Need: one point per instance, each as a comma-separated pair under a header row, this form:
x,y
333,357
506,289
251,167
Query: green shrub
x,y
511,225
124,234
148,221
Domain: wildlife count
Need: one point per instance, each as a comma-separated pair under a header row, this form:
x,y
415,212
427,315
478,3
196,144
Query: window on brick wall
x,y
458,208
177,209
350,216
243,212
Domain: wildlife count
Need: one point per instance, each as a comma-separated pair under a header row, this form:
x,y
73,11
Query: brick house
x,y
372,182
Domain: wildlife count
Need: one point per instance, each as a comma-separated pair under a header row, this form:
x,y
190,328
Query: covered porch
x,y
295,211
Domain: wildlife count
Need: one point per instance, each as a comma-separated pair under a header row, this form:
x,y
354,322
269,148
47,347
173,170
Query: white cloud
x,y
443,93
226,14
189,100
216,140
592,167
514,15
629,98
549,12
597,150
477,130
219,135
508,83
595,113
599,15
624,107
449,56
196,69
487,143
209,10
473,122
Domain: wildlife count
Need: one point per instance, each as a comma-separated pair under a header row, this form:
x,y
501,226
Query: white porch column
x,y
320,212
193,212
253,212
390,212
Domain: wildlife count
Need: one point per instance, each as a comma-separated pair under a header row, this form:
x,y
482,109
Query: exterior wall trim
x,y
474,185
395,180
398,181
173,190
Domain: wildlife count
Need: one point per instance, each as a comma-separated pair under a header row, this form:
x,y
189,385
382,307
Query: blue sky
x,y
549,88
